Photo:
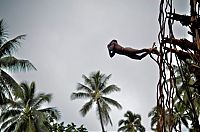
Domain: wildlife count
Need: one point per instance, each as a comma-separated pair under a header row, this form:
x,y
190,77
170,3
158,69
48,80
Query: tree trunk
x,y
100,116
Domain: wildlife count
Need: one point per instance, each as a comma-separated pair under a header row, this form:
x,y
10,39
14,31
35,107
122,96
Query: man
x,y
114,47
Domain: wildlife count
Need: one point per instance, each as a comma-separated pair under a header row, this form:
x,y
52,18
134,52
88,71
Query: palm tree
x,y
9,62
25,113
131,124
95,89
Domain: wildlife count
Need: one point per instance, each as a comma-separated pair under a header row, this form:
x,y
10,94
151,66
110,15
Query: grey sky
x,y
68,38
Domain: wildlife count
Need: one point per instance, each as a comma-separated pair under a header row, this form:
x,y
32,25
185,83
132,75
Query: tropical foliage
x,y
25,114
186,108
95,88
60,127
8,62
187,99
132,123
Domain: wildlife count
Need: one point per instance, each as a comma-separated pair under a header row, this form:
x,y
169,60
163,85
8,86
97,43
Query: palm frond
x,y
141,128
120,122
96,78
11,84
11,127
4,91
104,115
13,64
95,74
104,80
9,122
3,99
107,118
112,102
26,92
20,125
104,109
10,103
110,89
9,113
32,90
130,115
123,129
137,116
89,82
136,119
80,95
86,107
11,46
41,98
52,111
42,123
3,32
83,87
104,105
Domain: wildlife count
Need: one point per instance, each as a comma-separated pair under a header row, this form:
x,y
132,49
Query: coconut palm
x,y
25,113
132,123
10,63
95,88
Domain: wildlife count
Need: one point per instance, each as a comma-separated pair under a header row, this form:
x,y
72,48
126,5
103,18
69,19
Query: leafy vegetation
x,y
8,62
60,127
95,89
186,103
25,112
132,123
22,108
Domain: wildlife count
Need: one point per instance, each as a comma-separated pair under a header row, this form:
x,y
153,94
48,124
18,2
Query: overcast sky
x,y
68,38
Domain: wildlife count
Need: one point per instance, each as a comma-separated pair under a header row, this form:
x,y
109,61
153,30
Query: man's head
x,y
111,46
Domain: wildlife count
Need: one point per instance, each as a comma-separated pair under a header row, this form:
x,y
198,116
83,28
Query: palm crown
x,y
25,114
132,123
95,89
